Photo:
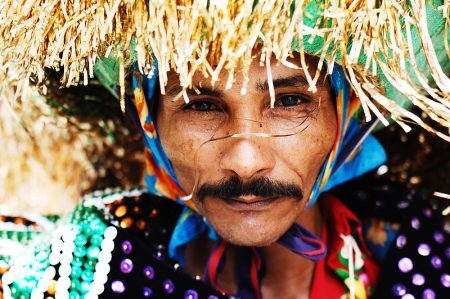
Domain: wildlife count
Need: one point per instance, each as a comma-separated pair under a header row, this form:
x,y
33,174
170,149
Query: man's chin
x,y
249,240
251,231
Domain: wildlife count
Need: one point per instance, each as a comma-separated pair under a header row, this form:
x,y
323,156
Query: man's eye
x,y
290,100
202,106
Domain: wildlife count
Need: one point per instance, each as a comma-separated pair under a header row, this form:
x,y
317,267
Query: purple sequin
x,y
415,223
118,286
126,266
405,264
447,252
436,262
168,286
212,297
418,279
147,292
149,272
401,241
445,280
407,296
361,195
403,205
424,249
399,289
428,294
159,256
126,246
439,237
190,294
427,212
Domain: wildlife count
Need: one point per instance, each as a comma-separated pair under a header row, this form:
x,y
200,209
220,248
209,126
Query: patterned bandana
x,y
354,152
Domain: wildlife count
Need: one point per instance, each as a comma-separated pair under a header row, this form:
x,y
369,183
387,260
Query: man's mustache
x,y
234,187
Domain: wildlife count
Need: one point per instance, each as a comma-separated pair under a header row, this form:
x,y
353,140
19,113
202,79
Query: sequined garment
x,y
114,245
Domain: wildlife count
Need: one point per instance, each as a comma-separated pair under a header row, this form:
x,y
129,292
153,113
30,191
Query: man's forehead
x,y
258,81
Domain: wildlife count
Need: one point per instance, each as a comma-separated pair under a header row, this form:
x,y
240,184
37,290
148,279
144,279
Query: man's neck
x,y
288,275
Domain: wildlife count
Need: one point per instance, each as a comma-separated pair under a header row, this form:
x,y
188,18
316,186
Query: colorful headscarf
x,y
354,152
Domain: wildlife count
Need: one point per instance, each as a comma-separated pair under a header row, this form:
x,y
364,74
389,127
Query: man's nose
x,y
247,158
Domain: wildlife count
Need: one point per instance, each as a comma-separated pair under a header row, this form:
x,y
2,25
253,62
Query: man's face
x,y
249,167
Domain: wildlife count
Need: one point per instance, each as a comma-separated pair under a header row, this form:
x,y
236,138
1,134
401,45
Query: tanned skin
x,y
293,160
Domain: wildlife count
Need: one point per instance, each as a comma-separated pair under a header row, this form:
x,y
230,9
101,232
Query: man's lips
x,y
250,203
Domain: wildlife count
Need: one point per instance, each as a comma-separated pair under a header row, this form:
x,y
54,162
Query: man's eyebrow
x,y
174,91
296,80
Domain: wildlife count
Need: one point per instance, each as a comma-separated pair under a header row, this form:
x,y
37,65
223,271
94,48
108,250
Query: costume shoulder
x,y
406,233
113,245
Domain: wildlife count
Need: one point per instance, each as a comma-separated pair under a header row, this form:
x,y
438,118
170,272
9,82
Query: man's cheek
x,y
181,154
192,162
